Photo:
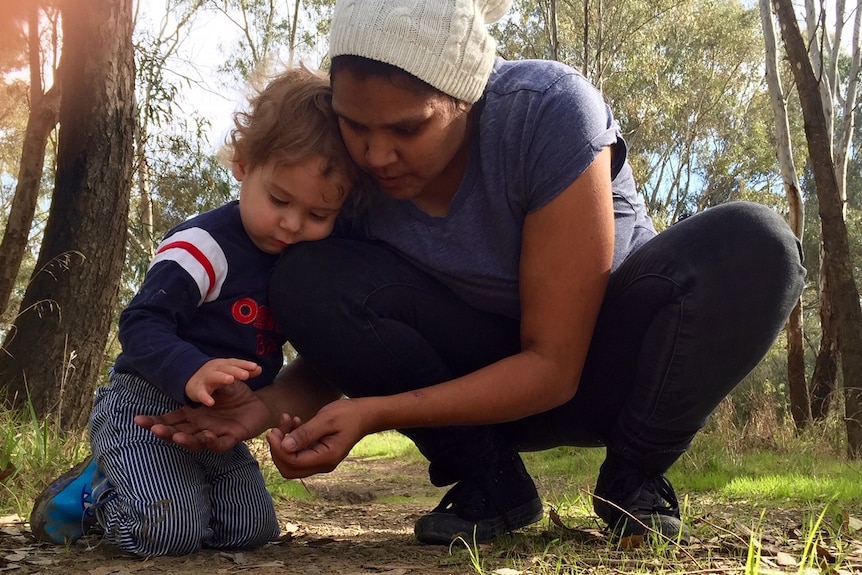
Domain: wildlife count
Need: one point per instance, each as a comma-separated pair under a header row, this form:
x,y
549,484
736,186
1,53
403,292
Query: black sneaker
x,y
481,508
630,501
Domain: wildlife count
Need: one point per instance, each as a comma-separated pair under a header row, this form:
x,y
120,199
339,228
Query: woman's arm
x,y
240,413
566,259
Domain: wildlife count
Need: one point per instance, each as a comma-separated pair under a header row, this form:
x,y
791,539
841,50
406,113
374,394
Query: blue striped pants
x,y
168,500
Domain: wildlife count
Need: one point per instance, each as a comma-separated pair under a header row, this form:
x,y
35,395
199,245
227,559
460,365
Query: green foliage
x,y
14,101
187,180
685,81
264,31
386,444
265,35
33,452
177,173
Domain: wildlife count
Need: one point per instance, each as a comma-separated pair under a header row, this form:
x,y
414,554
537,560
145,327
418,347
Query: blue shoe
x,y
62,512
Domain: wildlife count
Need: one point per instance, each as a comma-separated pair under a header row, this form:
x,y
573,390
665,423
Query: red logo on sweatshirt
x,y
247,311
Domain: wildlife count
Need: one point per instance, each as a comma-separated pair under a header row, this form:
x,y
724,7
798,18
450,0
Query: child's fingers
x,y
241,369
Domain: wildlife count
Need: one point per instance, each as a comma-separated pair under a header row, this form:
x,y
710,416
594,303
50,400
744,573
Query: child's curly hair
x,y
290,120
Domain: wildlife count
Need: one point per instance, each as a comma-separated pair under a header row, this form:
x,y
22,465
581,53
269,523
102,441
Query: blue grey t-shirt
x,y
537,127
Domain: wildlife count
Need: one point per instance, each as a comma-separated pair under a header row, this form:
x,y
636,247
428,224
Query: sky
x,y
212,36
199,56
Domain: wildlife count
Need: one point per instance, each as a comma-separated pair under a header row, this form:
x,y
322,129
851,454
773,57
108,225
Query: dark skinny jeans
x,y
684,319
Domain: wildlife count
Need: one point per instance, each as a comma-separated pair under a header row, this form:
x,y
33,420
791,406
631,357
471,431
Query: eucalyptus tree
x,y
817,87
800,406
44,109
836,67
14,113
161,77
54,352
838,96
272,34
265,30
684,78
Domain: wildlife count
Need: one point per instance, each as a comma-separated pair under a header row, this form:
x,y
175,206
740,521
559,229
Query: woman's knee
x,y
755,231
738,244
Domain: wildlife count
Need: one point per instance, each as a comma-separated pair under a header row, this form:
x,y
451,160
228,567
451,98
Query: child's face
x,y
286,204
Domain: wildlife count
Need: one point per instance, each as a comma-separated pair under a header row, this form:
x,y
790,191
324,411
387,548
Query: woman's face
x,y
414,144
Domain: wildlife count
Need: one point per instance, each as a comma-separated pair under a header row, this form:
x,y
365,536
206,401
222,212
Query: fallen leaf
x,y
238,558
853,524
41,561
582,535
506,571
15,557
7,519
555,518
631,542
785,559
825,554
320,541
290,527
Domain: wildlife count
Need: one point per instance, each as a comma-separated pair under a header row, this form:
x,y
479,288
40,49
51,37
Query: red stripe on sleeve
x,y
198,255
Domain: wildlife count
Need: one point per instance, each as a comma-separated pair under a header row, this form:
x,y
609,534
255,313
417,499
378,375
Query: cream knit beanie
x,y
443,42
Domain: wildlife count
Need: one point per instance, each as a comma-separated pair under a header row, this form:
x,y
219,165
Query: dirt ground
x,y
360,520
344,528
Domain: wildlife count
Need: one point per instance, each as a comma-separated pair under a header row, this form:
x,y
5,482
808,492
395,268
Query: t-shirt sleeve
x,y
571,125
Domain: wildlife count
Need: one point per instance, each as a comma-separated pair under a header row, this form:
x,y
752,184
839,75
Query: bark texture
x,y
55,352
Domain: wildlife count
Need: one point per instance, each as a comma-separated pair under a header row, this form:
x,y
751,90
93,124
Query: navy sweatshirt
x,y
204,297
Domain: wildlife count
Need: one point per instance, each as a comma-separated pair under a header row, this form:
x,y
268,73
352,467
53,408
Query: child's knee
x,y
158,529
248,535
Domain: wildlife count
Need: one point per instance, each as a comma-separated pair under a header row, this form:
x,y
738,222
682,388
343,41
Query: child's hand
x,y
218,373
286,424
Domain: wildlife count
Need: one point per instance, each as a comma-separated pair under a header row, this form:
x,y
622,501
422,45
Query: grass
x,y
734,484
32,453
733,487
389,444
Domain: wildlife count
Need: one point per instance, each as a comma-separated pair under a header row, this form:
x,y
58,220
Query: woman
x,y
504,289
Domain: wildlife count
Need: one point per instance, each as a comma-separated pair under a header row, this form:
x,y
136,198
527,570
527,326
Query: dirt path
x,y
360,522
344,529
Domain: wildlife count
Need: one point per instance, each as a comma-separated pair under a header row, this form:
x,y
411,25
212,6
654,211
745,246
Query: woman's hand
x,y
319,445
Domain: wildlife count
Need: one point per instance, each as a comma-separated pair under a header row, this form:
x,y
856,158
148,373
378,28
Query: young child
x,y
201,322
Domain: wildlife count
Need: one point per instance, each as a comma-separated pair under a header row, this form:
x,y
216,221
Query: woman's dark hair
x,y
366,67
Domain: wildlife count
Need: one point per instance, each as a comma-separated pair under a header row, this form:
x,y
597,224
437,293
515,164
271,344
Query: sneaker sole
x,y
443,528
67,532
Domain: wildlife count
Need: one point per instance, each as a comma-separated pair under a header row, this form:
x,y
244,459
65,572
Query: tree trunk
x,y
825,376
55,352
800,408
824,379
798,391
44,114
554,34
836,251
